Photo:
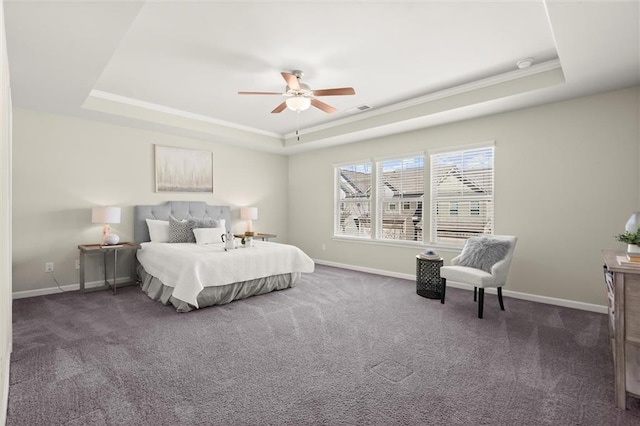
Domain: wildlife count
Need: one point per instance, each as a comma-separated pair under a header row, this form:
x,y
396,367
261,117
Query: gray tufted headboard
x,y
178,209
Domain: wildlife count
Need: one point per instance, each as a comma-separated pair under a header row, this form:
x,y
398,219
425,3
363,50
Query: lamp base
x,y
111,239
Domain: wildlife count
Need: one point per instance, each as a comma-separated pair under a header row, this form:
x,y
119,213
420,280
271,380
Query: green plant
x,y
630,237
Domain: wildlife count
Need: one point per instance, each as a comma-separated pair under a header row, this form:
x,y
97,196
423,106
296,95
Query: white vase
x,y
633,248
111,239
633,223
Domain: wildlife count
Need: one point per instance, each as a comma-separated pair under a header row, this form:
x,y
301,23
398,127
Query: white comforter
x,y
191,267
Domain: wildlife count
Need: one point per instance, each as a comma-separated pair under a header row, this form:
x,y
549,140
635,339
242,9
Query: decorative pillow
x,y
208,235
201,223
158,230
179,231
483,252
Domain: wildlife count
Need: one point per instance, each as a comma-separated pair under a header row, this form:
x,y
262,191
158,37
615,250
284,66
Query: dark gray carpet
x,y
342,348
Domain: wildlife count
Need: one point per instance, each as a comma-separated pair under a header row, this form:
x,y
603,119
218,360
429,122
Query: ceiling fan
x,y
300,96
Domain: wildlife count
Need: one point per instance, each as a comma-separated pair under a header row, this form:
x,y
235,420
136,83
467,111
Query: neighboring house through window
x,y
353,199
400,181
461,193
384,199
475,208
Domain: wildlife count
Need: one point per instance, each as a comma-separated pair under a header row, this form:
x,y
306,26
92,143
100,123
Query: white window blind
x,y
353,200
400,182
461,194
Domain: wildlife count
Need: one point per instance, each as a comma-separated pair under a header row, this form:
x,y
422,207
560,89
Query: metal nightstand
x,y
104,250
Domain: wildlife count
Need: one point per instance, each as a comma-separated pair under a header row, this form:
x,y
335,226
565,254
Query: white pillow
x,y
208,235
158,230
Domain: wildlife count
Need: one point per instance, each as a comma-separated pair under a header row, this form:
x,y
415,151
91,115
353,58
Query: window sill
x,y
419,245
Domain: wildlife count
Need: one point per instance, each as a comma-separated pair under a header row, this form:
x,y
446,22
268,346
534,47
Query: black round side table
x,y
428,281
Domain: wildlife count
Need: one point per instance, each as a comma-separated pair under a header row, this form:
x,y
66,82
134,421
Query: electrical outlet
x,y
77,263
48,267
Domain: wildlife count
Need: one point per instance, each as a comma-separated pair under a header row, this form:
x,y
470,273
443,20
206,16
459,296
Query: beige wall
x,y
5,223
65,166
566,181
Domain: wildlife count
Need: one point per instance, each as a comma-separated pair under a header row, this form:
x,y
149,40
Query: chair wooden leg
x,y
475,292
444,289
500,298
480,301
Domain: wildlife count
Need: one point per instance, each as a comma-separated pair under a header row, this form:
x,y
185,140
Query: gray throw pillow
x,y
179,231
193,223
483,252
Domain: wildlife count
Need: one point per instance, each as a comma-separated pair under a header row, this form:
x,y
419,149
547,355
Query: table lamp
x,y
249,214
106,215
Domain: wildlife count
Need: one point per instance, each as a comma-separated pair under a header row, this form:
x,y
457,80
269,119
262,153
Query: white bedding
x,y
190,267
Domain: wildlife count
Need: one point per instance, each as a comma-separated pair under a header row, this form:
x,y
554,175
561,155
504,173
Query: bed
x,y
190,276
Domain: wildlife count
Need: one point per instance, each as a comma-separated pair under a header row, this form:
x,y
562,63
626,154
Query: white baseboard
x,y
602,309
4,393
69,287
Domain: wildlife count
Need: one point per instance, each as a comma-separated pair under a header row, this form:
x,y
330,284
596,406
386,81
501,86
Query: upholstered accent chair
x,y
484,262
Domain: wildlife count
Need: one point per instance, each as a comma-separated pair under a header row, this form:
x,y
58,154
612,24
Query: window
x,y
399,180
462,179
383,200
353,200
474,208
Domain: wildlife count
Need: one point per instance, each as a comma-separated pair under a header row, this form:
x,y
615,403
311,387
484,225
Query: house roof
x,y
410,183
479,181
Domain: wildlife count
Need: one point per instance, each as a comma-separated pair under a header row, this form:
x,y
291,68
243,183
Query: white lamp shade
x,y
298,103
249,213
105,215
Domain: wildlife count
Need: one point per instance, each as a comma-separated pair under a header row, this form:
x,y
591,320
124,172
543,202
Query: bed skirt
x,y
217,295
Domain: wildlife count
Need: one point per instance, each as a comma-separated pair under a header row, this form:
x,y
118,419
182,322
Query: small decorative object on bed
x,y
247,242
229,241
194,275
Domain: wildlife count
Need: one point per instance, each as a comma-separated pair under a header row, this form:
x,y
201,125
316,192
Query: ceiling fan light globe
x,y
298,103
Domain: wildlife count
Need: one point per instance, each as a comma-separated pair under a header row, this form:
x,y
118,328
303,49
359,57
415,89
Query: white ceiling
x,y
177,66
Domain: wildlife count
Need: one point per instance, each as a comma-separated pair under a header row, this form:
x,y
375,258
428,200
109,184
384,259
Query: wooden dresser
x,y
623,294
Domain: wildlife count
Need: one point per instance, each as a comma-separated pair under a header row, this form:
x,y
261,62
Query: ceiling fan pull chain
x,y
298,124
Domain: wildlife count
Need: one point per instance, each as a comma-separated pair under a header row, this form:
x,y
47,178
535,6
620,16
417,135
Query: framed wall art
x,y
183,170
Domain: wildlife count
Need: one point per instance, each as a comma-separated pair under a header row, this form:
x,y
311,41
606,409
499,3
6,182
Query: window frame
x,y
434,199
375,201
380,199
337,212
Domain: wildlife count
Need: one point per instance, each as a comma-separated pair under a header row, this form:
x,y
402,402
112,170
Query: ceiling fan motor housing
x,y
303,91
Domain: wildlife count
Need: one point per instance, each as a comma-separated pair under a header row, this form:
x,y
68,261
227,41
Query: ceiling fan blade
x,y
292,80
279,108
259,93
335,92
321,105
